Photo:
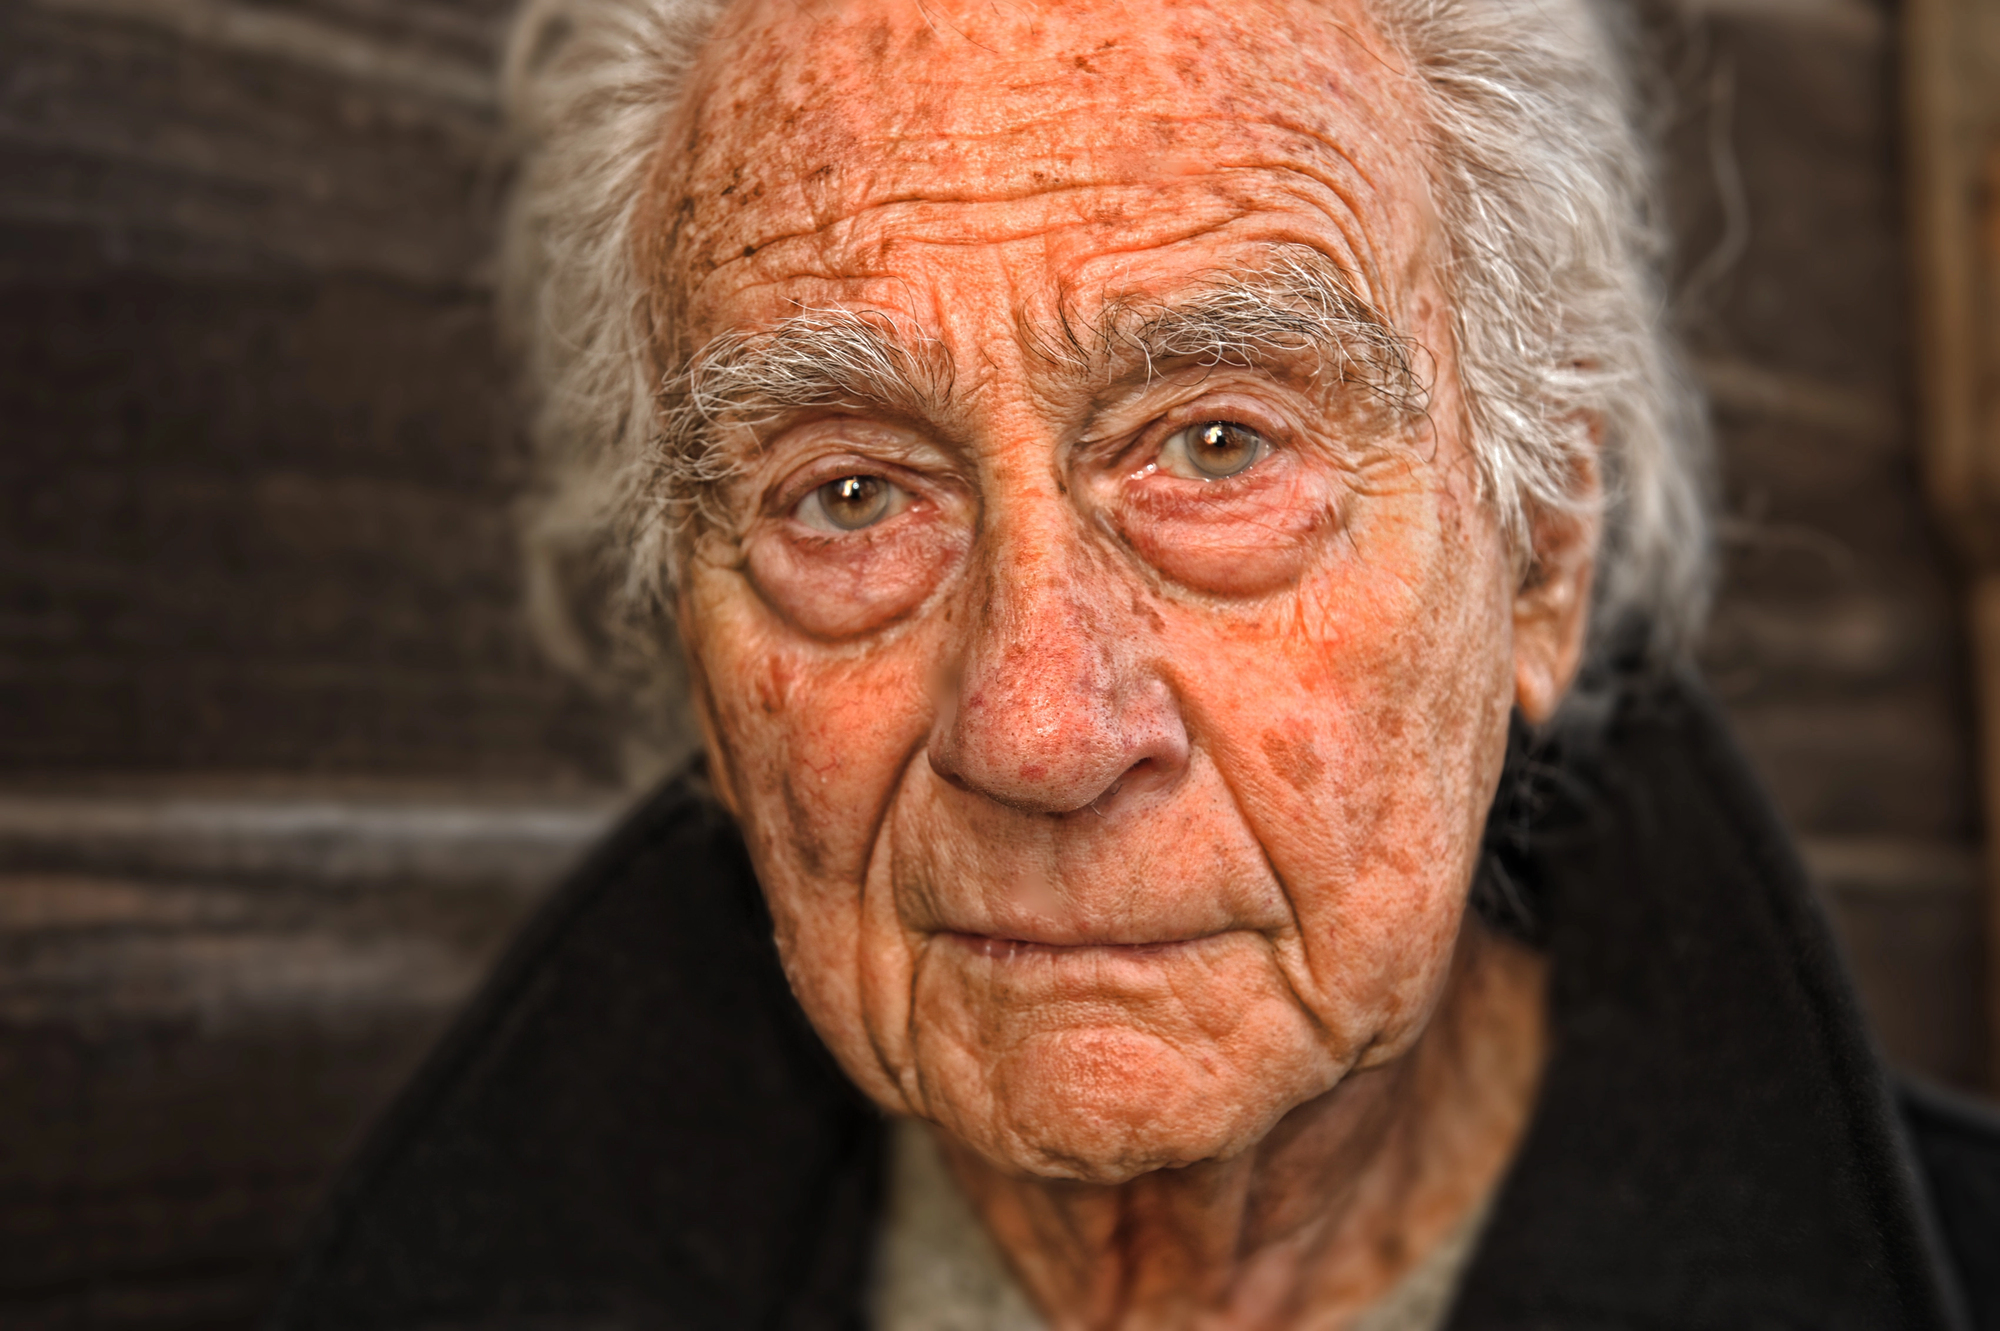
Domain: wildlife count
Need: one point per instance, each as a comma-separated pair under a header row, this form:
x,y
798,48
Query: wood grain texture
x,y
254,532
1951,68
205,995
1838,642
259,436
186,1063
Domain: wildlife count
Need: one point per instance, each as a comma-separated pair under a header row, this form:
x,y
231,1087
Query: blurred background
x,y
280,766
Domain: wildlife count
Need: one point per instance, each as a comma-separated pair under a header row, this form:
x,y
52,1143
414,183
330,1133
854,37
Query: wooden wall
x,y
262,672
1838,640
1951,94
260,452
280,767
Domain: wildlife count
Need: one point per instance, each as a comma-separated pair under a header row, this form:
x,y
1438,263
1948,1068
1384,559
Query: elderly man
x,y
1133,482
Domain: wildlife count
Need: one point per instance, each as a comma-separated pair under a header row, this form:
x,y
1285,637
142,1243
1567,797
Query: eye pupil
x,y
853,502
1223,448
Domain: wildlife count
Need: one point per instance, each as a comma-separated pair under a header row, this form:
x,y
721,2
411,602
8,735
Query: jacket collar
x,y
1714,1144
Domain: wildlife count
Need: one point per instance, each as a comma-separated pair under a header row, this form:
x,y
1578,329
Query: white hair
x,y
1543,184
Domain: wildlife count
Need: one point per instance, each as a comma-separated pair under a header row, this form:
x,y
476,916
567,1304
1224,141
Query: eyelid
x,y
1123,429
1277,432
782,498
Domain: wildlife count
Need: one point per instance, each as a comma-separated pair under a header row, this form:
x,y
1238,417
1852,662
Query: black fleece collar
x,y
1714,1144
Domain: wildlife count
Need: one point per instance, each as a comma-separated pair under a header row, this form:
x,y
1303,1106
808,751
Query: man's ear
x,y
1552,605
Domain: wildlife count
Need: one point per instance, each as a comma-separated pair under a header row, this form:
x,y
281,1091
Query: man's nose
x,y
1054,709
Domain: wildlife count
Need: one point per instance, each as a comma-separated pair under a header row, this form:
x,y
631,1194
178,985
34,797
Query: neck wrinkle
x,y
1345,1197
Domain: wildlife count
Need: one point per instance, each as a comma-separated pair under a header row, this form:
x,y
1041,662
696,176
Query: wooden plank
x,y
183,1065
329,840
301,144
1838,638
1946,122
206,993
1951,81
1910,916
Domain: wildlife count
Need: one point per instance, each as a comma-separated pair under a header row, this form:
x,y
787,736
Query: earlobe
x,y
1551,618
1552,604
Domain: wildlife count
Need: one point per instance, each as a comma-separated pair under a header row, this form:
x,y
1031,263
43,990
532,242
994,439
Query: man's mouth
x,y
996,947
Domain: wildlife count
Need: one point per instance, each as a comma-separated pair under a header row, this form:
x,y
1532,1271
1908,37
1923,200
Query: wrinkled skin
x,y
1118,821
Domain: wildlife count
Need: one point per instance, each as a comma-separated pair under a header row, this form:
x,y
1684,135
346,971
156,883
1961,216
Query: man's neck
x,y
1318,1221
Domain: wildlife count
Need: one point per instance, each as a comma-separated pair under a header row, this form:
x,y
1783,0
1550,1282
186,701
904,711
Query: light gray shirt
x,y
939,1271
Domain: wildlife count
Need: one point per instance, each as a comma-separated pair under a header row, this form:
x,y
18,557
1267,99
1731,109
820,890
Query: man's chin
x,y
1105,1106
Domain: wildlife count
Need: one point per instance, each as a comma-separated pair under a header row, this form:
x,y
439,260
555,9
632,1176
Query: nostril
x,y
1103,801
1148,774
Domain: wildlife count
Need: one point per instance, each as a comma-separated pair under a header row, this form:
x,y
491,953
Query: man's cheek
x,y
1343,735
830,757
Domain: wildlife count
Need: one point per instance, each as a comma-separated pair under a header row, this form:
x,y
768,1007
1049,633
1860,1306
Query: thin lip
x,y
999,947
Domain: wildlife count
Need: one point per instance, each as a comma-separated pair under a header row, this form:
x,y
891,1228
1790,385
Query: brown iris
x,y
854,502
1223,448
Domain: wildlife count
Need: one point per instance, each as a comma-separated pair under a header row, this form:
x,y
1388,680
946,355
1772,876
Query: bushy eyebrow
x,y
818,359
1298,304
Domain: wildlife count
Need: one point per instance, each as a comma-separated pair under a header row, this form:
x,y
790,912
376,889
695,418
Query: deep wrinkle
x,y
1296,930
1063,742
1206,397
752,389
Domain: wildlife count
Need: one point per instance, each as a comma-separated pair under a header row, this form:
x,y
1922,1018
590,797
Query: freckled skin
x,y
1119,824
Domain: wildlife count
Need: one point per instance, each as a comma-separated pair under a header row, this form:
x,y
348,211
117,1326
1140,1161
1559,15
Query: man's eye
x,y
1212,451
851,503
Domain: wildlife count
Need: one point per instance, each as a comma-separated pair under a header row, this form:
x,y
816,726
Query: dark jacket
x,y
635,1127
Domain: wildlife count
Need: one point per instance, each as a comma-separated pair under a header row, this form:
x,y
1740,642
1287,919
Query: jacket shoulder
x,y
631,1125
1957,1145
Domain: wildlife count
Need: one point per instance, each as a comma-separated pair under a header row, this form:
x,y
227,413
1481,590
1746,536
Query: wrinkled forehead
x,y
826,144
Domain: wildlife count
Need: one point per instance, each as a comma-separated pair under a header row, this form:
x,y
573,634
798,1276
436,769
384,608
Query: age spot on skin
x,y
1293,758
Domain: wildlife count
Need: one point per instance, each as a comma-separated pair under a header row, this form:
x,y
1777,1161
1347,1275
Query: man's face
x,y
1112,710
